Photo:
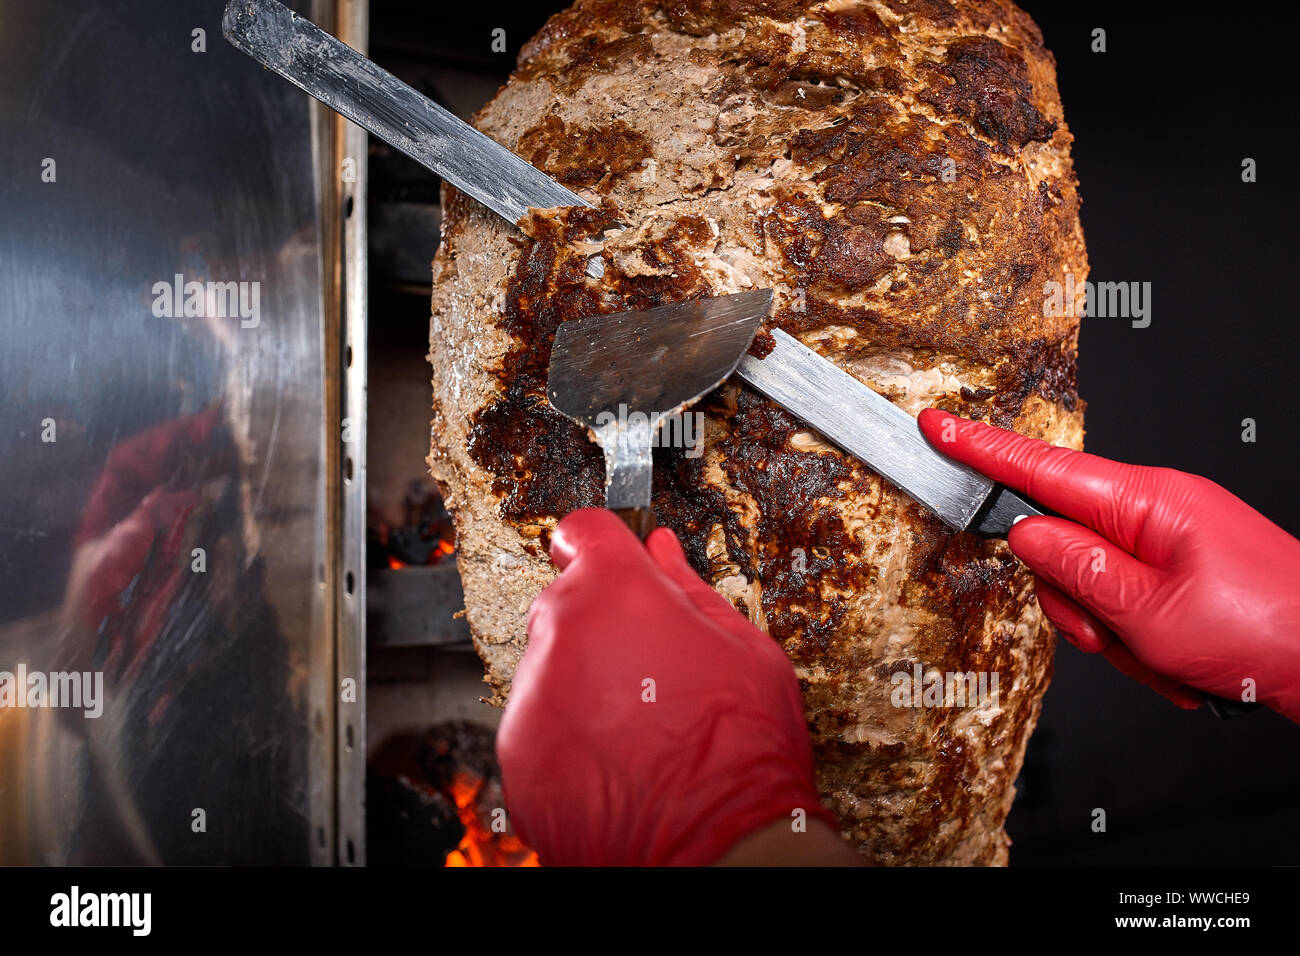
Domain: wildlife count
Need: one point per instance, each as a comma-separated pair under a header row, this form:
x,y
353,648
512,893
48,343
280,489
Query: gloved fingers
x,y
666,549
1078,625
1180,694
667,552
592,530
595,530
1094,491
608,579
1100,576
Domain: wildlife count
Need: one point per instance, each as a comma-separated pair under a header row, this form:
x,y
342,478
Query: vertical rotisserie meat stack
x,y
899,173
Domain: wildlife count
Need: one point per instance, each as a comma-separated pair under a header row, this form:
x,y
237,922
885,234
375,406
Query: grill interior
x,y
423,677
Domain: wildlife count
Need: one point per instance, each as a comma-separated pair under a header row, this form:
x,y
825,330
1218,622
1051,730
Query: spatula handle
x,y
640,520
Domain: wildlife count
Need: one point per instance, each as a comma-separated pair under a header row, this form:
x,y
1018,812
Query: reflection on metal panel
x,y
161,526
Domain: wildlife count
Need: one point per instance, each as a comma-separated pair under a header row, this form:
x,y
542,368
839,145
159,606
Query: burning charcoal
x,y
458,747
459,758
427,535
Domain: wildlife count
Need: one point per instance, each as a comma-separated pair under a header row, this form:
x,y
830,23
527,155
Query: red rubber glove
x,y
1177,581
598,773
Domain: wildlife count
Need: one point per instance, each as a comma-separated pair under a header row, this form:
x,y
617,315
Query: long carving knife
x,y
872,428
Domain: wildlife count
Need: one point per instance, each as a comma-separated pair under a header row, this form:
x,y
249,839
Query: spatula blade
x,y
622,375
654,361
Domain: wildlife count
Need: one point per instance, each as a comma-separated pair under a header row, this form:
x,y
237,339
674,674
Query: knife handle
x,y
995,519
1000,511
641,521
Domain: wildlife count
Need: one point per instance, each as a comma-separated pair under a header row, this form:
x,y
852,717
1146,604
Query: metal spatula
x,y
622,375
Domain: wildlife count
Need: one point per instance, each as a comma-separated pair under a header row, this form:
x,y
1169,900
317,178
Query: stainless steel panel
x,y
162,514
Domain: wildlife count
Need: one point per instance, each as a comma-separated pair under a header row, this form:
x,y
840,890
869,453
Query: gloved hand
x,y
649,723
1174,579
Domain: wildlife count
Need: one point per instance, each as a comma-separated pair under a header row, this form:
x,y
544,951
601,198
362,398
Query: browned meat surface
x,y
899,173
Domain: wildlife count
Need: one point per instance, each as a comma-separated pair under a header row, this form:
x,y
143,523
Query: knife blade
x,y
383,105
874,429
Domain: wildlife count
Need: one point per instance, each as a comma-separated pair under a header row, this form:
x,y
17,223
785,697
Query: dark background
x,y
1162,121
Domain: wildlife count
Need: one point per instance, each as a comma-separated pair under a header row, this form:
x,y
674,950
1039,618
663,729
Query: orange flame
x,y
481,846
